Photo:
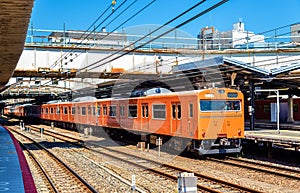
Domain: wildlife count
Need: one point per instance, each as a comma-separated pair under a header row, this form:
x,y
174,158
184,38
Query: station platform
x,y
284,137
15,175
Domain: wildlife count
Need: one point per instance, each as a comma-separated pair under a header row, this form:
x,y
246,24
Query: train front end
x,y
220,121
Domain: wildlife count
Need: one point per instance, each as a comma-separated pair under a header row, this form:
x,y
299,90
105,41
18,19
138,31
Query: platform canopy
x,y
14,19
228,72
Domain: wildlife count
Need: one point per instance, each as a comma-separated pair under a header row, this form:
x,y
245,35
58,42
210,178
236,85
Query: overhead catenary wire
x,y
130,18
66,53
172,29
90,32
147,35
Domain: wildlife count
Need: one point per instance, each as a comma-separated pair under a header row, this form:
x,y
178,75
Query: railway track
x,y
261,167
58,174
205,182
100,177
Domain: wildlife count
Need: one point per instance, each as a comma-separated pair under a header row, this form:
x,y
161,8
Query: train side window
x,y
145,111
174,111
113,111
122,110
73,110
179,111
104,110
159,111
46,110
42,110
51,110
89,110
191,110
57,110
78,110
93,110
99,110
132,111
83,111
65,110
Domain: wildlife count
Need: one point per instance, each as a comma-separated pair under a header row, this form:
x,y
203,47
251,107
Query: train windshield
x,y
220,105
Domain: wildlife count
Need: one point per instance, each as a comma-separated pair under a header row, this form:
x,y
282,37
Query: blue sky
x,y
258,15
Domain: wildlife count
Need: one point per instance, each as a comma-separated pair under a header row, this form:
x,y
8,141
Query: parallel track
x,y
52,165
261,167
205,183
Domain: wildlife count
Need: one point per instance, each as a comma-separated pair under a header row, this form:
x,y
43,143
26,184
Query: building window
x,y
295,108
267,108
159,111
132,111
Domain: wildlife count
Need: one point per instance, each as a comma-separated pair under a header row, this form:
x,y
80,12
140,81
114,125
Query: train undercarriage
x,y
171,144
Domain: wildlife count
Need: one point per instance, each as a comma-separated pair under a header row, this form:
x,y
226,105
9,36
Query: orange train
x,y
208,121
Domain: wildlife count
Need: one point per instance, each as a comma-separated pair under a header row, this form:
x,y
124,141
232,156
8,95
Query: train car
x,y
265,108
208,121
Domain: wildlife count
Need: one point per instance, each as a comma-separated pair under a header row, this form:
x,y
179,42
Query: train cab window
x,y
132,111
57,110
99,110
220,105
46,110
112,111
232,95
65,110
191,110
145,111
83,111
51,110
159,111
93,110
73,110
122,110
104,110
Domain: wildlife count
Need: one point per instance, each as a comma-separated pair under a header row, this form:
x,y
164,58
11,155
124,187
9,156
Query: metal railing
x,y
278,38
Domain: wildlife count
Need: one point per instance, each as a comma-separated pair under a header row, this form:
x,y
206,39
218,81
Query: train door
x,y
176,118
145,117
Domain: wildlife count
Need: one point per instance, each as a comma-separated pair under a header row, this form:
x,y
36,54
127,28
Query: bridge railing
x,y
278,38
